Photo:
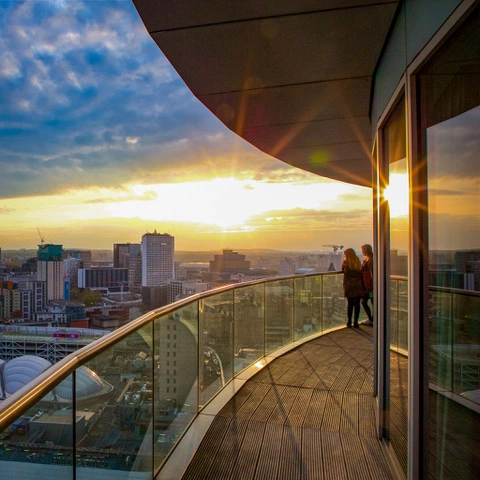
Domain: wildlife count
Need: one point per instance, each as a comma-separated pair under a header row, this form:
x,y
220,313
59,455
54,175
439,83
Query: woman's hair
x,y
368,252
351,260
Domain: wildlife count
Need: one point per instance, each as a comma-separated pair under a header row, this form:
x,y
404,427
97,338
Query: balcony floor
x,y
307,415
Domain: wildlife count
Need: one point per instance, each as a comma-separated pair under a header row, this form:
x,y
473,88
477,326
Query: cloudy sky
x,y
100,141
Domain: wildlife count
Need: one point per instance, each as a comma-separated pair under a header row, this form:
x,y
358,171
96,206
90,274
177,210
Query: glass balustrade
x,y
120,405
454,326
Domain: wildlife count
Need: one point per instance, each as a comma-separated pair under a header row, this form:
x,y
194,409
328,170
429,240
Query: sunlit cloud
x,y
100,140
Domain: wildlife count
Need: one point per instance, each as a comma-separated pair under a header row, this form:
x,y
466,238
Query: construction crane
x,y
335,247
42,239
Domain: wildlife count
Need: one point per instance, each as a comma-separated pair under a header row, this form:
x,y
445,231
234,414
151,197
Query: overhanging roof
x,y
292,78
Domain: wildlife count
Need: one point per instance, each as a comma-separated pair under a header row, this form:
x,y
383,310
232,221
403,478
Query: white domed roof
x,y
22,370
87,384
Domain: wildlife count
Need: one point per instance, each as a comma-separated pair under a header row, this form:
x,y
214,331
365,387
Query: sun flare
x,y
396,193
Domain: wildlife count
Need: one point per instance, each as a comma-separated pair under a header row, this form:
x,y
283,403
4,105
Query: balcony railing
x,y
454,333
120,404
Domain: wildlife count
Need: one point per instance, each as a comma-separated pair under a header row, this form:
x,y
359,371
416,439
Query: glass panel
x,y
449,96
175,370
307,306
249,326
397,196
333,302
42,438
278,314
440,323
215,344
466,348
114,397
402,314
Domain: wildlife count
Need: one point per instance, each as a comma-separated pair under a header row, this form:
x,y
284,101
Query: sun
x,y
396,193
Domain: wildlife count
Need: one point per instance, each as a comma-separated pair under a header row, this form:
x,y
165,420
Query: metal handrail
x,y
27,396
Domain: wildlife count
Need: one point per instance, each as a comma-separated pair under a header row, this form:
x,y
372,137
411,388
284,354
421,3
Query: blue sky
x,y
96,127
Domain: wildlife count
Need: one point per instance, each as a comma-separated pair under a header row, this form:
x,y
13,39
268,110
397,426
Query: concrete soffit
x,y
292,78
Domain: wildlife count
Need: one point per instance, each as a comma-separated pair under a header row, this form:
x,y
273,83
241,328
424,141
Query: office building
x,y
158,266
85,256
229,262
129,255
103,278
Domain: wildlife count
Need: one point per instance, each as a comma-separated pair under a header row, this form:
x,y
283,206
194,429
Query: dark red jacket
x,y
352,282
367,275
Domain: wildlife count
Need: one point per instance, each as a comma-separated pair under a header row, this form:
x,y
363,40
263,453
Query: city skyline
x,y
101,141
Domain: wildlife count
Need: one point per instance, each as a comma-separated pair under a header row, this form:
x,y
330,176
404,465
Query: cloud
x,y
6,210
311,219
88,98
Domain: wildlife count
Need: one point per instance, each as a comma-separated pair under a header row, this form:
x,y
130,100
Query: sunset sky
x,y
100,142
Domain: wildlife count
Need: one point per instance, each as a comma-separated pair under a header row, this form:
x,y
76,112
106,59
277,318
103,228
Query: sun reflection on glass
x,y
396,193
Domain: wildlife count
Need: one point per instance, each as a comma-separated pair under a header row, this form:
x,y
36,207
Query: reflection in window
x,y
450,142
396,194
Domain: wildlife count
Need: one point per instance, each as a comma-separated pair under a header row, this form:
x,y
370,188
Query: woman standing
x,y
367,275
352,285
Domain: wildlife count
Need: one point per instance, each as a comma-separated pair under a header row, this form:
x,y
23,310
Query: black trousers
x,y
353,308
366,307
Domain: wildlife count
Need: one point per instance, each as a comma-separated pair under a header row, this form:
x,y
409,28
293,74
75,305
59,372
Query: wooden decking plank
x,y
248,408
205,455
366,416
367,387
333,411
268,403
299,409
282,409
343,378
226,455
290,461
312,459
316,409
399,444
355,461
333,459
246,463
355,384
329,377
376,459
239,399
315,380
349,416
267,465
295,370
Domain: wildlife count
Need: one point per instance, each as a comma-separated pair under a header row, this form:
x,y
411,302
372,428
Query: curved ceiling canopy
x,y
292,78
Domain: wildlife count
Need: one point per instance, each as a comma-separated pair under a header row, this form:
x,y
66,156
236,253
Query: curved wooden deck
x,y
307,415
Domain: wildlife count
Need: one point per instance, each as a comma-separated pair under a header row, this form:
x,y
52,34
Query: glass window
x,y
449,88
397,199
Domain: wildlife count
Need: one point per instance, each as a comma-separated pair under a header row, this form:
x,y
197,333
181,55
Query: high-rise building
x,y
129,255
85,256
102,277
50,269
229,261
157,259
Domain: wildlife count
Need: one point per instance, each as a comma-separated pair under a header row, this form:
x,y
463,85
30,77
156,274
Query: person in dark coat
x,y
352,285
367,276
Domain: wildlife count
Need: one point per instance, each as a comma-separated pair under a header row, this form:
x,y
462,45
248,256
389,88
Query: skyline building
x,y
50,269
85,256
229,261
129,255
158,266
